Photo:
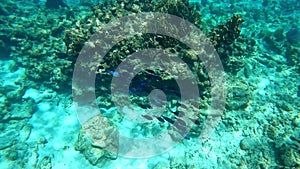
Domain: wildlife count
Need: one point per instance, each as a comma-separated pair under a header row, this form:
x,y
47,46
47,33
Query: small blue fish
x,y
114,74
187,136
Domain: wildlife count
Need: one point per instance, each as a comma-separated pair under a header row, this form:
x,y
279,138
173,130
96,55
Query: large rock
x,y
98,141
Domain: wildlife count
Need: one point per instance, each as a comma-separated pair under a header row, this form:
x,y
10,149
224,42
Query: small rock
x,y
12,155
296,121
248,143
238,97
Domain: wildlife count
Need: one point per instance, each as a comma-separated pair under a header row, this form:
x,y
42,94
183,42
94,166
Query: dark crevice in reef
x,y
55,4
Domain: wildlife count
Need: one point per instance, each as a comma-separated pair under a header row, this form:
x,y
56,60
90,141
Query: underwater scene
x,y
150,84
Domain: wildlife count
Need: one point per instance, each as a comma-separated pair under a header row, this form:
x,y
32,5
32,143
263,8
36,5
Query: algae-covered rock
x,y
161,165
3,105
25,132
288,156
45,163
18,153
177,163
248,143
296,121
12,80
7,139
238,97
98,141
21,111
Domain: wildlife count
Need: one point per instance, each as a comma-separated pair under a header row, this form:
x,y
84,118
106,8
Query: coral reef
x,y
145,81
259,128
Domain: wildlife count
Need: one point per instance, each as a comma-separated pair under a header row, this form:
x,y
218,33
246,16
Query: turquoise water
x,y
160,95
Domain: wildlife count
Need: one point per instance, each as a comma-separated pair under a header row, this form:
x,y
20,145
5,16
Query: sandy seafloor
x,y
39,126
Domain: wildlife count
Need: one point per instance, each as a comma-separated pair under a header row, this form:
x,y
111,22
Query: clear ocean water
x,y
149,84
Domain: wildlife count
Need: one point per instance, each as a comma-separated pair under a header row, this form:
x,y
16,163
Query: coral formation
x,y
145,81
230,45
226,34
223,37
108,10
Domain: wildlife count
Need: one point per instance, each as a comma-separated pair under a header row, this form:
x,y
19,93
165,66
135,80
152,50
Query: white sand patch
x,y
70,120
262,85
32,93
44,106
60,127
